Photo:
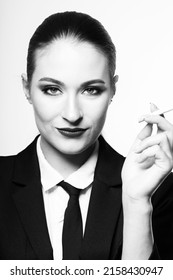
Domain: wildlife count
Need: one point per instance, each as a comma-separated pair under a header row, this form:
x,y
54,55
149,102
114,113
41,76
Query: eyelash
x,y
48,88
97,90
90,91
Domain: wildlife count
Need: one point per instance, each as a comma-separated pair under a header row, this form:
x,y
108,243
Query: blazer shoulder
x,y
6,164
21,166
6,161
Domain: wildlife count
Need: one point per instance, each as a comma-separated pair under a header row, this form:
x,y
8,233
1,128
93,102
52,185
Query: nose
x,y
72,111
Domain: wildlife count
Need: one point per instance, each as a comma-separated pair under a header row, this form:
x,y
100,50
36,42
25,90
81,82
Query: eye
x,y
92,91
51,90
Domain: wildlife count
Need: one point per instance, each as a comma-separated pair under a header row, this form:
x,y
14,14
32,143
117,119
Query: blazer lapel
x,y
27,195
105,208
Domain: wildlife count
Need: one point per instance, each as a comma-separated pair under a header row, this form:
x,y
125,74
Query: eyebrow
x,y
85,84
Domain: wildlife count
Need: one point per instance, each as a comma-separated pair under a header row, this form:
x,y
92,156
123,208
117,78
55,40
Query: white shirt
x,y
56,198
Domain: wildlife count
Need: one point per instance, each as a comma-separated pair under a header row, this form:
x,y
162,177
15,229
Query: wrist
x,y
137,206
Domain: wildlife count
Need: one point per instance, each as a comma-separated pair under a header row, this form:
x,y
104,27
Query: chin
x,y
74,149
71,152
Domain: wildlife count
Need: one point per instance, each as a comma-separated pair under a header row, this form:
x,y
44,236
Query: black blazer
x,y
23,227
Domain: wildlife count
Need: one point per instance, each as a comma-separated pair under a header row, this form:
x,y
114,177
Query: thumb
x,y
145,132
153,107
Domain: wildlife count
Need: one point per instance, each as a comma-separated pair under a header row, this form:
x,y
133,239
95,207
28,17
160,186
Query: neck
x,y
65,164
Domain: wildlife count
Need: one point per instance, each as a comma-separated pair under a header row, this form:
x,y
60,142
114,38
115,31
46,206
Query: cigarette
x,y
161,112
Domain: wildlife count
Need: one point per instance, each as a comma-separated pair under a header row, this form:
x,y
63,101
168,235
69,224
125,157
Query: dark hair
x,y
78,25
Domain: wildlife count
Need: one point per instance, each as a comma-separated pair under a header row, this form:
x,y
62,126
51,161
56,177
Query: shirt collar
x,y
81,178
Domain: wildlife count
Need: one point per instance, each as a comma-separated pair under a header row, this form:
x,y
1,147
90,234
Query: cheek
x,y
98,114
44,111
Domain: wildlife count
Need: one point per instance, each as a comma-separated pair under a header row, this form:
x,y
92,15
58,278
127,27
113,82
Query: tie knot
x,y
70,189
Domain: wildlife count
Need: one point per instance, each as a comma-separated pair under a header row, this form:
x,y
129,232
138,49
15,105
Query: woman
x,y
70,83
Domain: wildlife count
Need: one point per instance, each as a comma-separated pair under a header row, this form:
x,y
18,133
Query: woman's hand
x,y
148,163
150,159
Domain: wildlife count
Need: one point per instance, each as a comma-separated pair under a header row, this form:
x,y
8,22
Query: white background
x,y
142,31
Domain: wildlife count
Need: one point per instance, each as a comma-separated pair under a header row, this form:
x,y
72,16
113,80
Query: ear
x,y
115,80
116,77
26,88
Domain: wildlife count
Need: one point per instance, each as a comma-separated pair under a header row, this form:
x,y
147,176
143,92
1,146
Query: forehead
x,y
69,59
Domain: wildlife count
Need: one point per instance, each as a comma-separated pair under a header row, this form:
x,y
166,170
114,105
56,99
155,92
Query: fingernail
x,y
153,107
141,119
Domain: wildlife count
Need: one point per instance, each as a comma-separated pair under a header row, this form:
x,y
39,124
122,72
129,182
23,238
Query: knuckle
x,y
169,135
157,148
163,136
171,162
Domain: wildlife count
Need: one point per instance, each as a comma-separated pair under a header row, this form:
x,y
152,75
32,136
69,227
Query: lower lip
x,y
72,134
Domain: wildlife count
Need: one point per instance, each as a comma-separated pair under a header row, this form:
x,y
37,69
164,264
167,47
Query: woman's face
x,y
70,92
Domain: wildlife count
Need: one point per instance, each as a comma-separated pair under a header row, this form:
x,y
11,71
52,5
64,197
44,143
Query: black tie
x,y
72,229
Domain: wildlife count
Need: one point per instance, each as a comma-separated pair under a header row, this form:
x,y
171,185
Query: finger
x,y
155,156
150,153
162,123
158,139
145,132
153,107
